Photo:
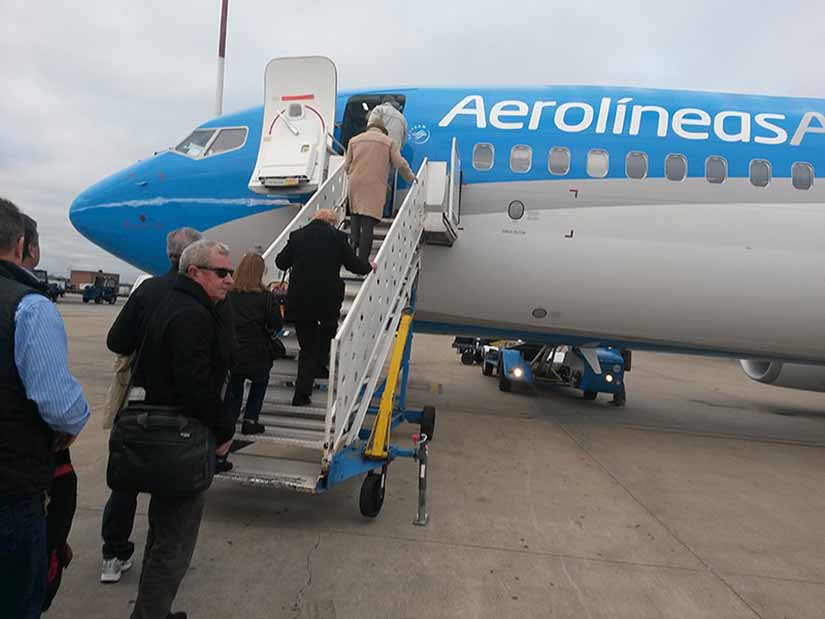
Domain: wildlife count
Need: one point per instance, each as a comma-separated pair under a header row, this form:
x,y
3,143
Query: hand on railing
x,y
373,265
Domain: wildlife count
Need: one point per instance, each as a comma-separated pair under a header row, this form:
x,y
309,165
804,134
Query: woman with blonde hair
x,y
257,320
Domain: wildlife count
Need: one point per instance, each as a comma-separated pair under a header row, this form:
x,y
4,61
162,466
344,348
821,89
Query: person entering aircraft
x,y
358,110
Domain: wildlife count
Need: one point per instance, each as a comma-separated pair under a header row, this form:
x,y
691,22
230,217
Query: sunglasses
x,y
221,273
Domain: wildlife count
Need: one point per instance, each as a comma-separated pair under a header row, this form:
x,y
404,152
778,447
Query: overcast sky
x,y
90,87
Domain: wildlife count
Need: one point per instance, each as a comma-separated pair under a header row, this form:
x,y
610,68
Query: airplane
x,y
662,220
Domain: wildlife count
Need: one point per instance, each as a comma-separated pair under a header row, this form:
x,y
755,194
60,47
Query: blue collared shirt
x,y
42,360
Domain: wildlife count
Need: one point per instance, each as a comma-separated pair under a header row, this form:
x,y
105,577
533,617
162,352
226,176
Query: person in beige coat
x,y
369,159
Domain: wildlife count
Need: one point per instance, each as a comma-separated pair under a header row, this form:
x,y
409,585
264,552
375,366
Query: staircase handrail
x,y
329,195
364,340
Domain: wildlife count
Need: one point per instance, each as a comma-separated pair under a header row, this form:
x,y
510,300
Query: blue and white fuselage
x,y
652,219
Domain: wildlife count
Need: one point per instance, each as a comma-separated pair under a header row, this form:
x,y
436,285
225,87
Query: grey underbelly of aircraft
x,y
741,275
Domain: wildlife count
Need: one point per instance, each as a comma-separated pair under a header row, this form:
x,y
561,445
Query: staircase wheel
x,y
428,421
372,494
589,395
467,357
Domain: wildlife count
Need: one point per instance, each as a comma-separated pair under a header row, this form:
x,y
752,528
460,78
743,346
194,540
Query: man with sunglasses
x,y
124,338
183,362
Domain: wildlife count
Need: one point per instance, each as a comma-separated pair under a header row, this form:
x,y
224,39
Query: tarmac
x,y
702,498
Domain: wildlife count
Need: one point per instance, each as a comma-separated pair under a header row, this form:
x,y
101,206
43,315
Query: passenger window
x,y
521,158
558,161
676,167
228,139
597,163
635,165
483,155
195,142
803,175
760,173
716,170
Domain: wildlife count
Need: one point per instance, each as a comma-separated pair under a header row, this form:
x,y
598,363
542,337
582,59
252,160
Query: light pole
x,y
221,58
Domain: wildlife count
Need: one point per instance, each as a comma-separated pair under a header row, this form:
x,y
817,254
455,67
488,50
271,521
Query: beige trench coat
x,y
369,158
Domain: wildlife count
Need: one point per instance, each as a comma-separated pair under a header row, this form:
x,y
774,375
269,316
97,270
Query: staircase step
x,y
292,437
311,421
268,472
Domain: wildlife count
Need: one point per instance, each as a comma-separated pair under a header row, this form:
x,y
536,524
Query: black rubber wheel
x,y
85,300
486,369
97,301
504,383
372,494
467,357
478,357
428,421
589,395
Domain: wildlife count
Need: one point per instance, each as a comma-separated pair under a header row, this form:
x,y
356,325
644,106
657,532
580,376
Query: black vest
x,y
25,439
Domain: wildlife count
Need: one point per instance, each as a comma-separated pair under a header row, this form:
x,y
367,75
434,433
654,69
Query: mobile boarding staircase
x,y
346,431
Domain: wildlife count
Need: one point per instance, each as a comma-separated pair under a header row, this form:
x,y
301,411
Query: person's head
x,y
31,243
209,265
327,215
11,232
378,125
249,274
392,101
177,241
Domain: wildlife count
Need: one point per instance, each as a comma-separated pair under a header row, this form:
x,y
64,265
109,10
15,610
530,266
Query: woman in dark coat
x,y
257,320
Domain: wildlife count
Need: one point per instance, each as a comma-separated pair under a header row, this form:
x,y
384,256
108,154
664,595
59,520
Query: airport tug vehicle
x,y
347,430
591,370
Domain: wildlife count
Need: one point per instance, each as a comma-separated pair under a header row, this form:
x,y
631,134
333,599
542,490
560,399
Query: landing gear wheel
x,y
589,395
487,369
372,493
428,421
467,357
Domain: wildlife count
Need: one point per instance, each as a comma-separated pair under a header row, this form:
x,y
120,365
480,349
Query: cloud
x,y
91,87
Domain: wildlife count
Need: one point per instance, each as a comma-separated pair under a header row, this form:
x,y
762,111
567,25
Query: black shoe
x,y
252,427
301,400
222,465
322,373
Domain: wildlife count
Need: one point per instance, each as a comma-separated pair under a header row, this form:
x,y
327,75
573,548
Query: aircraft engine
x,y
790,375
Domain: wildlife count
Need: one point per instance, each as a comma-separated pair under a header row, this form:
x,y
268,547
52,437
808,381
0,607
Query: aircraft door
x,y
357,111
299,115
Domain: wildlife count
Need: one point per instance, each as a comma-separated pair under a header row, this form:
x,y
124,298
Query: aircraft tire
x,y
372,494
428,421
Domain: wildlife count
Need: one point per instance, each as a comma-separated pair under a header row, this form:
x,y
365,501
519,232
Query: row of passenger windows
x,y
598,161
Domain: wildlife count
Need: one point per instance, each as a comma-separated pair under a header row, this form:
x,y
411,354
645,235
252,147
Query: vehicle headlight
x,y
609,378
518,372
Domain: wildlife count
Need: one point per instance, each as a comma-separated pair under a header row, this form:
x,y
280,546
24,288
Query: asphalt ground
x,y
702,498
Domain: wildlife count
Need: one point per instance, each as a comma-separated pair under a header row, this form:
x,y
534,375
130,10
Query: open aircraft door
x,y
299,115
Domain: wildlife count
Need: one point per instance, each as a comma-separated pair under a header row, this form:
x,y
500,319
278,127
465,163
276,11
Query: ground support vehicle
x,y
591,370
53,290
104,289
470,349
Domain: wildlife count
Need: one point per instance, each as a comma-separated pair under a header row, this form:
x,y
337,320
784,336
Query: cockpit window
x,y
228,139
195,143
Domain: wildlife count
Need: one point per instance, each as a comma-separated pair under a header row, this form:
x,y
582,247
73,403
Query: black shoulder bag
x,y
157,450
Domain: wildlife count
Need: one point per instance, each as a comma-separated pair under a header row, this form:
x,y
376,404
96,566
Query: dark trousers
x,y
255,399
174,523
23,556
118,520
314,338
361,233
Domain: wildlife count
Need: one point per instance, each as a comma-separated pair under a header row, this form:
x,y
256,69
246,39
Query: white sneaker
x,y
113,569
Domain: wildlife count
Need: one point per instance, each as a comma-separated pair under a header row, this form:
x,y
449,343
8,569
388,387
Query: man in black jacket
x,y
124,339
182,363
315,253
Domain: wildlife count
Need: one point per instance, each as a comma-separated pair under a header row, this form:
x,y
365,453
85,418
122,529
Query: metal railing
x,y
453,212
329,195
361,346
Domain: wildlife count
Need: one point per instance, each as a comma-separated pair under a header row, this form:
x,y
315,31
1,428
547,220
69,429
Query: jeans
x,y
23,556
174,523
314,338
361,233
118,520
255,399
